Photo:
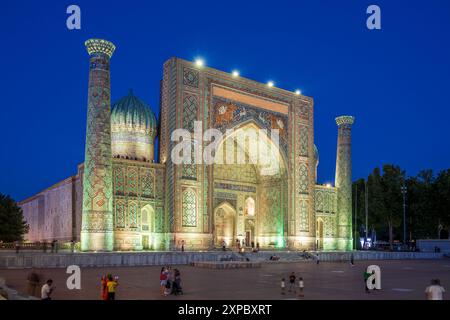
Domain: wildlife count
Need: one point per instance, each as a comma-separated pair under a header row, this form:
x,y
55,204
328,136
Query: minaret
x,y
343,182
97,216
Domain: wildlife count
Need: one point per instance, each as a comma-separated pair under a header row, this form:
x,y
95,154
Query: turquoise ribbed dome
x,y
132,113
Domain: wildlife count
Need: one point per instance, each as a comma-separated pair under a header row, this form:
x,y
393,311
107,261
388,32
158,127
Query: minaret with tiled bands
x,y
97,217
343,182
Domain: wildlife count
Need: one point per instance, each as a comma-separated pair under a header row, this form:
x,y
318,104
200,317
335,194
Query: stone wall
x,y
54,213
27,260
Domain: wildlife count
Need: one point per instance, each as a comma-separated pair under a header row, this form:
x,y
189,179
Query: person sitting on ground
x,y
47,290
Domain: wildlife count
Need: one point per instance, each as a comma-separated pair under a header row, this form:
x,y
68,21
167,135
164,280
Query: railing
x,y
38,246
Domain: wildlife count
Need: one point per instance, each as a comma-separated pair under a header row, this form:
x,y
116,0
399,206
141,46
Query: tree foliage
x,y
12,224
427,204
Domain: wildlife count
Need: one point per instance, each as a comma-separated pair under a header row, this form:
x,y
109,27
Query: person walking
x,y
366,276
352,261
53,246
300,287
176,286
182,245
17,246
292,282
224,245
163,280
283,286
112,286
435,291
104,288
317,259
72,246
170,276
47,290
33,282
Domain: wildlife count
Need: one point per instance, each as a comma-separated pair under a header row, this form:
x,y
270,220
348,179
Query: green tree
x,y
441,192
12,224
385,211
392,180
421,205
427,203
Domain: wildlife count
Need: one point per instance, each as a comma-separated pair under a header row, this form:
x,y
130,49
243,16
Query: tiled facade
x,y
161,205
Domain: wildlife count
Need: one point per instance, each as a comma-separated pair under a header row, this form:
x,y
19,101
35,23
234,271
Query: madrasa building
x,y
122,198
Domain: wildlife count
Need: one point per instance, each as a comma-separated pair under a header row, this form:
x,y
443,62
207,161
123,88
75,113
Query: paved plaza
x,y
400,279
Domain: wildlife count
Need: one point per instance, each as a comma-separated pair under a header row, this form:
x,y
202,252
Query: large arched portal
x,y
249,173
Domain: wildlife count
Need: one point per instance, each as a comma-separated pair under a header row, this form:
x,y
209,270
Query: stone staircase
x,y
284,256
11,294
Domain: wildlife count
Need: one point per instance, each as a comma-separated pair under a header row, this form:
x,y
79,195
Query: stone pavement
x,y
400,279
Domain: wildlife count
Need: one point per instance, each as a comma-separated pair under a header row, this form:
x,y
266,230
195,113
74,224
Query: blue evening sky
x,y
394,81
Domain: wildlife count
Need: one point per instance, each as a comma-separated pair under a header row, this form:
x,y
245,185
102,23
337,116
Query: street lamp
x,y
404,192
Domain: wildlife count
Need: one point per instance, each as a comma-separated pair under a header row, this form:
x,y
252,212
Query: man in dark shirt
x,y
292,282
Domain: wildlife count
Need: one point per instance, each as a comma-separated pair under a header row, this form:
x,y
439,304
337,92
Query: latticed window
x,y
303,141
189,112
189,203
303,177
190,170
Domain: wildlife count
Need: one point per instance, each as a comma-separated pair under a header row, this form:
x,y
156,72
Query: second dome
x,y
133,129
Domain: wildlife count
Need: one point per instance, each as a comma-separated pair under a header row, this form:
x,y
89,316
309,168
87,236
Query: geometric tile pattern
x,y
189,202
97,216
190,77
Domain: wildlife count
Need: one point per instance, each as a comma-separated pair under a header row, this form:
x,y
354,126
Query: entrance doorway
x,y
249,233
224,224
145,243
319,234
